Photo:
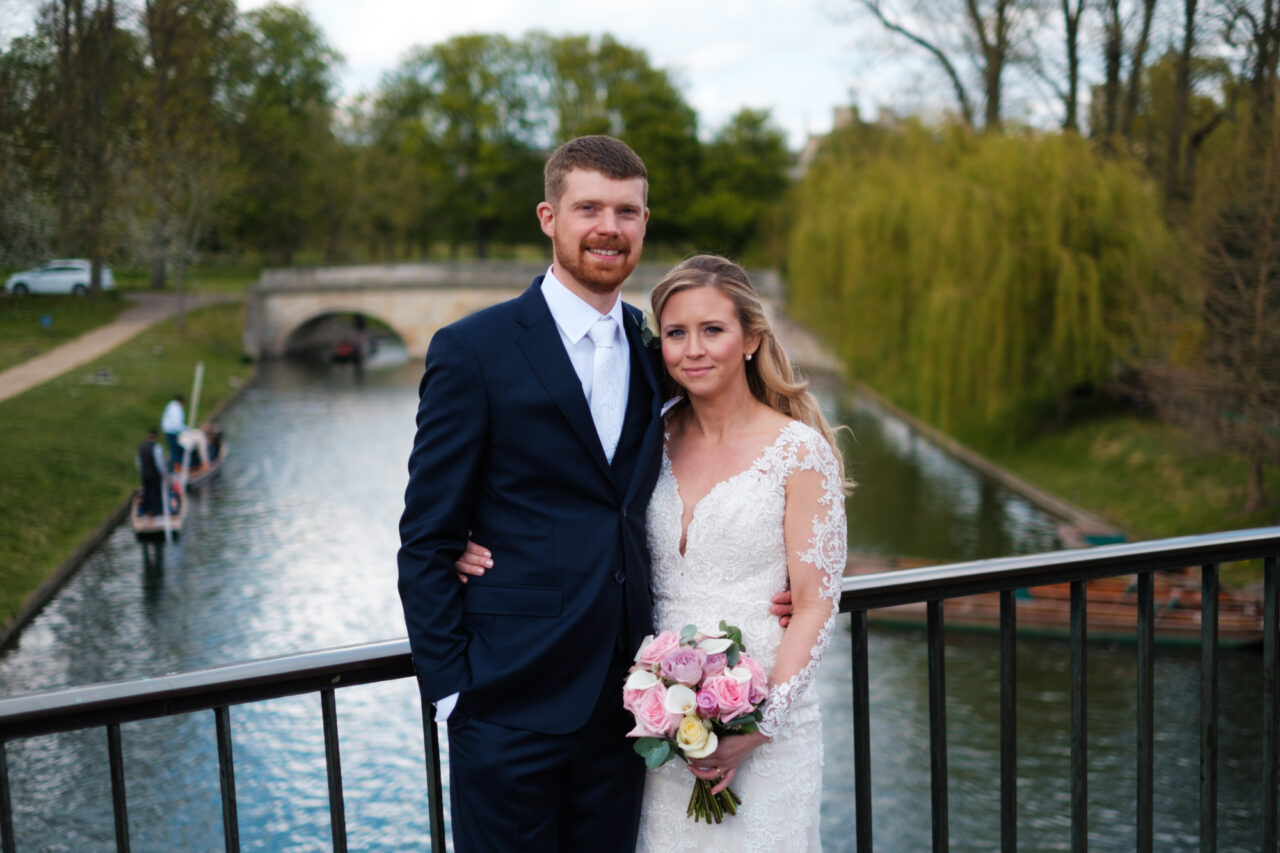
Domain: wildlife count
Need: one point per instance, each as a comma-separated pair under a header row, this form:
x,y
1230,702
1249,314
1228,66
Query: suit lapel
x,y
640,356
542,347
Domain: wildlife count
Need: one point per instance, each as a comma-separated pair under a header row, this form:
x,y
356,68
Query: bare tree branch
x,y
962,95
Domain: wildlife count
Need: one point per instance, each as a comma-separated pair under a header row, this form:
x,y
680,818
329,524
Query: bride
x,y
749,501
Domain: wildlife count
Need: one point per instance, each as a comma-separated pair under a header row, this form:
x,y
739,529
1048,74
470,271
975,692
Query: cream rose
x,y
695,738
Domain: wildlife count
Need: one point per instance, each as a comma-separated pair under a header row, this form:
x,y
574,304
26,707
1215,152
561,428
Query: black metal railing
x,y
217,689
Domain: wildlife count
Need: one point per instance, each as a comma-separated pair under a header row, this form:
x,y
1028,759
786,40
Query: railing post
x,y
1209,709
435,789
861,733
119,806
7,842
1079,722
333,763
938,727
1008,722
1270,745
1146,713
227,778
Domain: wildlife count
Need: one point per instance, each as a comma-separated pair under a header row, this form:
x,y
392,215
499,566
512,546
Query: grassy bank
x,y
1150,479
69,443
33,325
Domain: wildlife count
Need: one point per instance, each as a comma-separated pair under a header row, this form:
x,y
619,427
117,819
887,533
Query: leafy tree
x,y
977,280
474,98
27,212
282,105
744,176
187,151
603,86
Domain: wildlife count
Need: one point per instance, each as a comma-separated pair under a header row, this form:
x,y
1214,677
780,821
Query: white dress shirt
x,y
174,418
574,318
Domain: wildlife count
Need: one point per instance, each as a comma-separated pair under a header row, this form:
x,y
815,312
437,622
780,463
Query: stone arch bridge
x,y
414,300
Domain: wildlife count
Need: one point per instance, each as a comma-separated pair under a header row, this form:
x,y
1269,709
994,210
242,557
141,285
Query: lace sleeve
x,y
816,507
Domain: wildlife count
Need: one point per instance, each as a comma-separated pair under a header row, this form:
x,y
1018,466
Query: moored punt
x,y
1111,608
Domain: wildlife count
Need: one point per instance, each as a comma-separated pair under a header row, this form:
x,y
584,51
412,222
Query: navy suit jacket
x,y
506,452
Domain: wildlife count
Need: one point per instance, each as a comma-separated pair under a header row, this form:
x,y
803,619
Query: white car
x,y
64,276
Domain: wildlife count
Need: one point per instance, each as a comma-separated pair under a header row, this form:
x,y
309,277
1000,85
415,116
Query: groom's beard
x,y
597,276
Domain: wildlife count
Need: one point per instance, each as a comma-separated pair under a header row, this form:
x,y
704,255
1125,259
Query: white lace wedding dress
x,y
735,561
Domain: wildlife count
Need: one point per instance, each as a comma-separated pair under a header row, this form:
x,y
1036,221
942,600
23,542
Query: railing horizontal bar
x,y
905,586
198,690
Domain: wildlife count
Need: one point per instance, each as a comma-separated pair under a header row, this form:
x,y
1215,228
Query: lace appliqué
x,y
828,553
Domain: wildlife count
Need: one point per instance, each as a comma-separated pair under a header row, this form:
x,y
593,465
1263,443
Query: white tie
x,y
606,385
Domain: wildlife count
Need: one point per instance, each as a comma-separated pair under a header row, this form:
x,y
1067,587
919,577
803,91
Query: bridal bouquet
x,y
687,691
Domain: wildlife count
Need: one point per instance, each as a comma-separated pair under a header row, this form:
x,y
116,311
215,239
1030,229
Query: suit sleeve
x,y
444,467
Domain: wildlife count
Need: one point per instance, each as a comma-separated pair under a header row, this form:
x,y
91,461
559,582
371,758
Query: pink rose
x,y
730,695
652,652
652,717
759,681
684,665
715,664
707,706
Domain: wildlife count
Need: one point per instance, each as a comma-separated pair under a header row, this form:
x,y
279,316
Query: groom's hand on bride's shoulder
x,y
475,559
781,607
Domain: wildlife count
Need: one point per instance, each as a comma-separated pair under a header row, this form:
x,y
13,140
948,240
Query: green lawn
x,y
69,443
1150,479
32,325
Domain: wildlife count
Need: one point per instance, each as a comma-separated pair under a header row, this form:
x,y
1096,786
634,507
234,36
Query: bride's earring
x,y
749,356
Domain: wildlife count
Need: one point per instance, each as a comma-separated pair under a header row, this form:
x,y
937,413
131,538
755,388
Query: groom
x,y
539,434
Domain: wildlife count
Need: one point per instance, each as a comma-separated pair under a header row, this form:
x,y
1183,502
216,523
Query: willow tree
x,y
977,280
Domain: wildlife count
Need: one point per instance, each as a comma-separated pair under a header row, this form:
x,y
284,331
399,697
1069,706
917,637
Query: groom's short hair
x,y
611,157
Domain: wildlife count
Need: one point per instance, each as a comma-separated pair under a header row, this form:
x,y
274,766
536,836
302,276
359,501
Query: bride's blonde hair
x,y
769,373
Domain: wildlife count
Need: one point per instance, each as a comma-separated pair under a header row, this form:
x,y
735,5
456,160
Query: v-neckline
x,y
682,544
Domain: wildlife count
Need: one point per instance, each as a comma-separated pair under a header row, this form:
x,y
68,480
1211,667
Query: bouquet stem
x,y
703,805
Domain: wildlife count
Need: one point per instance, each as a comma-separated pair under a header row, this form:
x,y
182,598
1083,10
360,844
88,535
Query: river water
x,y
293,549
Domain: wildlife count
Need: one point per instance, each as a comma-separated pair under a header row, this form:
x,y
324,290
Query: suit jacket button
x,y
624,512
620,576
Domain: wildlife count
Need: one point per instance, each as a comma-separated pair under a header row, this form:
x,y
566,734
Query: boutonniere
x,y
647,336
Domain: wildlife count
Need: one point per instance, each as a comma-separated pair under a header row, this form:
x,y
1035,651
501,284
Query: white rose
x,y
681,700
740,674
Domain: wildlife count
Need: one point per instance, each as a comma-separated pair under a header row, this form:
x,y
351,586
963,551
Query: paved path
x,y
149,309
